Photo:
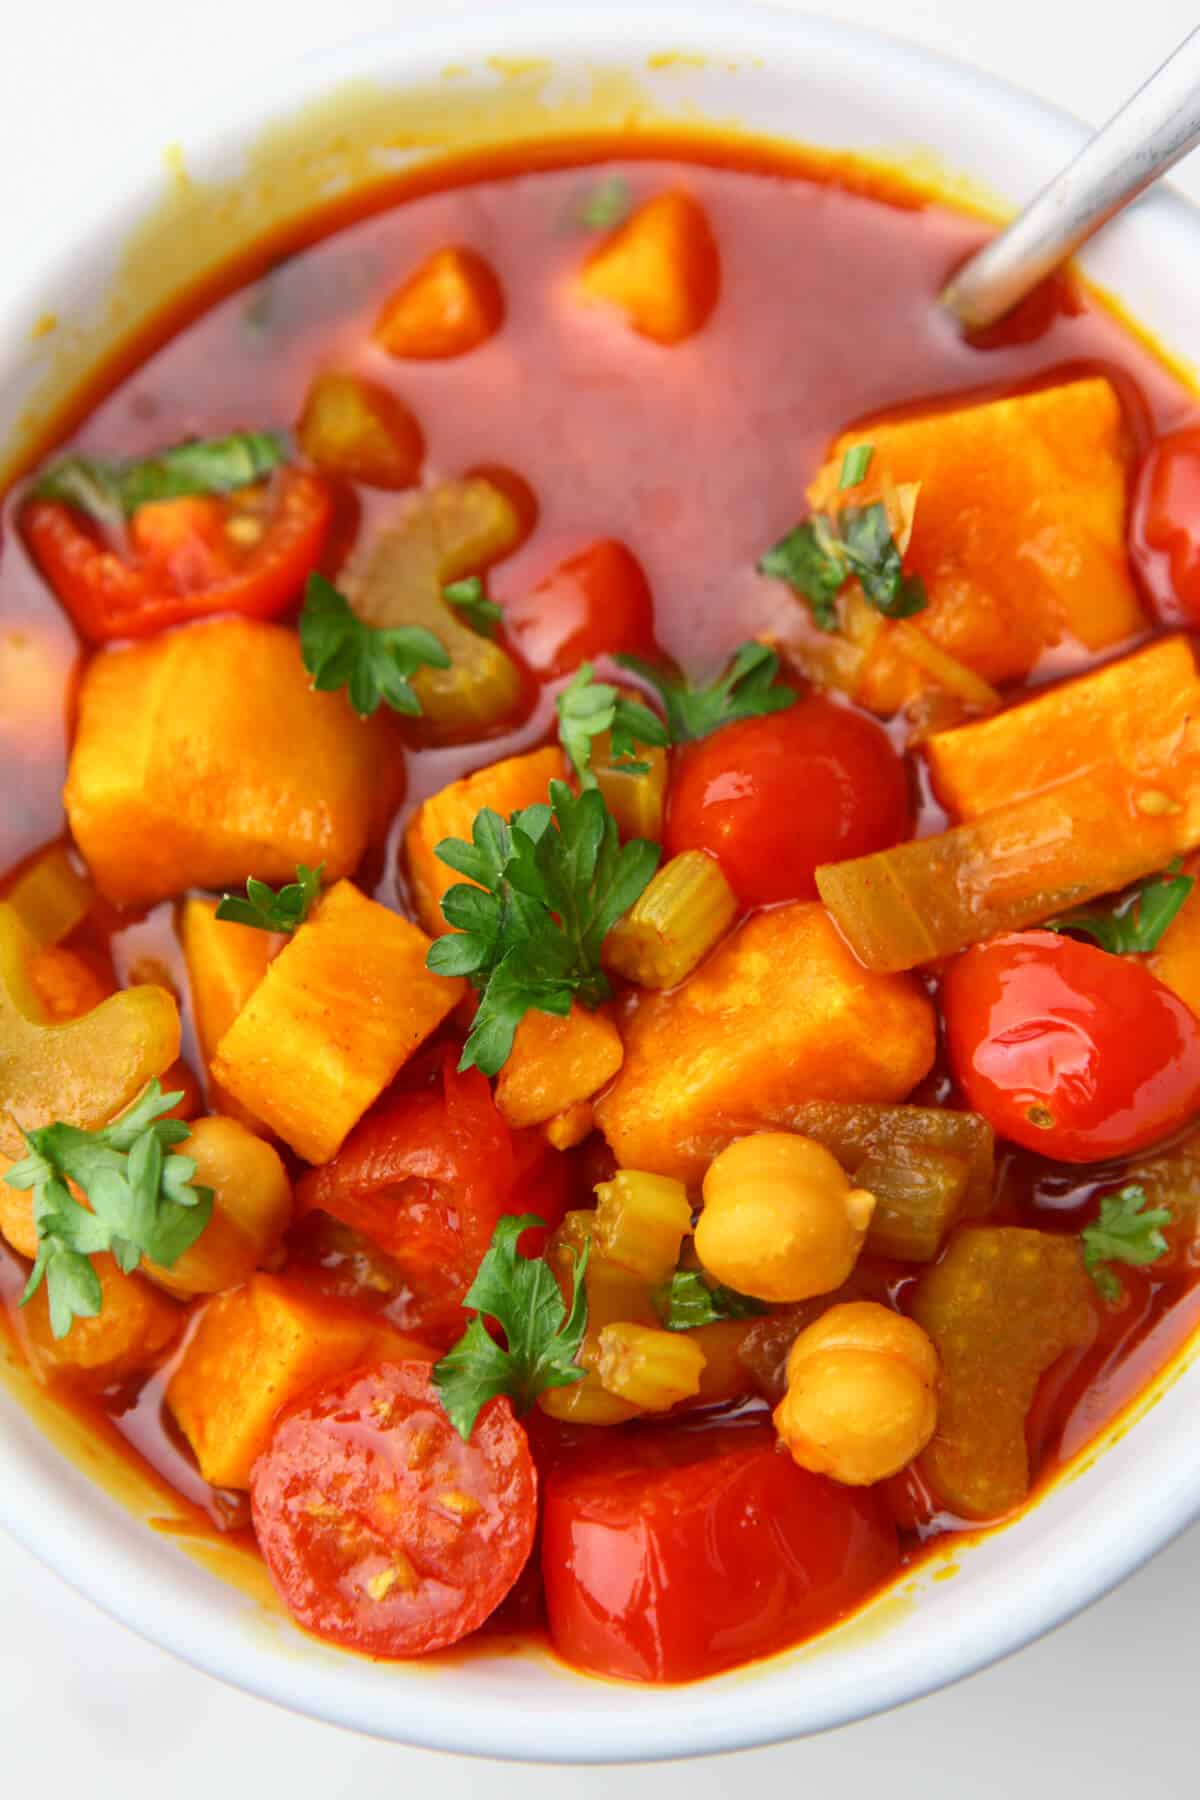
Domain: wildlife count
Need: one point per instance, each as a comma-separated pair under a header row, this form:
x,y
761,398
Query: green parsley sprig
x,y
371,662
744,690
542,1338
268,910
688,1299
110,488
552,882
1135,923
603,206
587,708
468,598
1129,1230
143,1202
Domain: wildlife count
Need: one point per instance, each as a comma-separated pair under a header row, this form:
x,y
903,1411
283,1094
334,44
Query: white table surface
x,y
1104,1707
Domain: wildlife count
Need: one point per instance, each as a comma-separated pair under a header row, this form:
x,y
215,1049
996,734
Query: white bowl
x,y
269,150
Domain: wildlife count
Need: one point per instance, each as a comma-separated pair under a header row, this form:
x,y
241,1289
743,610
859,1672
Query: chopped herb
x,y
467,597
604,206
542,1337
818,557
142,1202
801,559
587,708
110,490
270,911
1127,1231
745,690
552,883
687,1299
855,464
1135,923
373,664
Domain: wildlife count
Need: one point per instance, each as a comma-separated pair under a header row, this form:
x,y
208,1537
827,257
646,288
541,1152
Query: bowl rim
x,y
45,1514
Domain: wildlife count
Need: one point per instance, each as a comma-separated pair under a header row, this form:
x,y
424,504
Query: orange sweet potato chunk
x,y
225,963
504,786
556,1063
781,1013
1001,1307
130,1334
448,306
339,1011
255,1350
203,756
1135,713
361,430
1019,531
1177,959
661,268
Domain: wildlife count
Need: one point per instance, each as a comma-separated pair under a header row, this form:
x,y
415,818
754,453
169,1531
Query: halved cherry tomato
x,y
596,603
1068,1050
383,1530
774,797
671,1552
248,552
426,1175
1166,525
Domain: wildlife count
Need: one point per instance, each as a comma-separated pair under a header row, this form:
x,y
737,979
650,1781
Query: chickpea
x,y
252,1208
861,1396
781,1220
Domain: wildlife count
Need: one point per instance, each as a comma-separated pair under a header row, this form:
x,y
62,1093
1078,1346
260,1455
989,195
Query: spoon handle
x,y
1152,131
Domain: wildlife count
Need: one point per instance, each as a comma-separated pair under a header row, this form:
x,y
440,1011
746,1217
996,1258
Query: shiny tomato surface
x,y
381,1528
669,1553
1068,1050
773,798
596,603
1167,518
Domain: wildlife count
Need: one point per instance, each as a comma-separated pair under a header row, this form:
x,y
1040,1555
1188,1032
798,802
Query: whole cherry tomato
x,y
773,798
596,603
1068,1050
1166,526
380,1527
669,1553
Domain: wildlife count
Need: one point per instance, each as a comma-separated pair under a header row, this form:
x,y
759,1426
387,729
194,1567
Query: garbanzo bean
x,y
861,1396
781,1220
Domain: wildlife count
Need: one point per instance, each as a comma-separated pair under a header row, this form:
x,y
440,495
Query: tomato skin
x,y
772,798
184,566
348,1512
426,1175
669,1553
1095,1042
1166,525
596,603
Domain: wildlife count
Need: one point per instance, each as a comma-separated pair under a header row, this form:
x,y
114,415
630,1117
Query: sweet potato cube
x,y
1177,959
135,1326
339,1011
780,1013
361,430
1019,532
449,305
1001,1307
505,786
203,756
255,1350
661,268
556,1063
225,963
1134,713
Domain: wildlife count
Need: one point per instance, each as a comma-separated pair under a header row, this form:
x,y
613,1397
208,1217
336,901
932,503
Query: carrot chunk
x,y
358,429
556,1063
337,1014
661,268
225,963
448,306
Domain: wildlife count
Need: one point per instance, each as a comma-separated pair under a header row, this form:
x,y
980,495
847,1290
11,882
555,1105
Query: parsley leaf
x,y
142,1200
1127,1231
542,1337
855,465
270,911
744,690
1134,924
110,489
605,205
818,557
552,882
687,1299
373,664
587,708
801,559
467,597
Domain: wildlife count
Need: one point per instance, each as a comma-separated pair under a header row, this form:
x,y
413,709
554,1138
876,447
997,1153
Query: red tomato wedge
x,y
669,1553
249,552
1167,521
383,1530
1068,1050
773,798
596,603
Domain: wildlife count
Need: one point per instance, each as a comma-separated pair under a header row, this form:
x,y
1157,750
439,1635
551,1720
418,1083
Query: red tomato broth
x,y
617,439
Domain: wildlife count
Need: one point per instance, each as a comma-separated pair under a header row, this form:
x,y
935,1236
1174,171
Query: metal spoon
x,y
1149,135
